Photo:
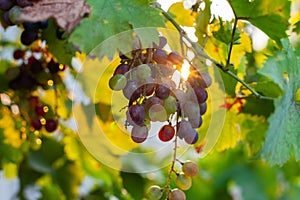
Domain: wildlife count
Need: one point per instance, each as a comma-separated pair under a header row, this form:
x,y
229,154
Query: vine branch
x,y
200,52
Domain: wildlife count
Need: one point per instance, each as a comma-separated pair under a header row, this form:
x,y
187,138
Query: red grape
x,y
175,58
177,194
121,69
160,56
51,125
36,124
190,168
166,133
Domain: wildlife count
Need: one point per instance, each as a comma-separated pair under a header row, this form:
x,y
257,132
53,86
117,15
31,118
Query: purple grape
x,y
53,67
153,101
7,18
36,67
28,37
31,26
203,108
36,124
205,80
196,123
139,134
18,54
160,56
121,69
51,125
191,110
130,90
191,136
137,114
23,3
162,91
201,94
183,128
148,87
162,43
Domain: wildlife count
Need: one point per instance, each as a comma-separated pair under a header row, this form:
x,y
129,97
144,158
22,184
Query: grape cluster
x,y
145,76
35,72
183,181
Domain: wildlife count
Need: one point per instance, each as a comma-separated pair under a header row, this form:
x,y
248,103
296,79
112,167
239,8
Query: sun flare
x,y
185,70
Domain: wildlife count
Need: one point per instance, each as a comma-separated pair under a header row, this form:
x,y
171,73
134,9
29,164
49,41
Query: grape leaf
x,y
297,27
183,16
109,18
269,16
67,14
202,22
283,135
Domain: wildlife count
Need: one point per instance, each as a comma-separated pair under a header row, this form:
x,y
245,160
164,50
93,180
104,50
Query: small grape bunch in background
x,y
146,79
183,181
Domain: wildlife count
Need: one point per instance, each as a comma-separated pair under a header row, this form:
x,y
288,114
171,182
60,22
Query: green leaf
x,y
61,49
229,83
296,27
111,17
283,134
183,16
269,16
225,31
134,184
202,22
257,106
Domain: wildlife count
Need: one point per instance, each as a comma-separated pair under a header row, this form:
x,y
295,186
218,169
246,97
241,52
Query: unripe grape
x,y
143,71
154,193
166,133
183,182
117,82
190,168
170,104
157,113
177,194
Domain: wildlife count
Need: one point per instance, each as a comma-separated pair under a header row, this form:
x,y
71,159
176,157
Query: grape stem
x,y
199,51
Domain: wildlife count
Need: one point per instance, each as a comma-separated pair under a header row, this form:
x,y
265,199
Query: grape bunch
x,y
146,79
36,69
183,181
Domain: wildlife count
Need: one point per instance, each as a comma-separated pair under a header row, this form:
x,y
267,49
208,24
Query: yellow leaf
x,y
297,96
182,16
10,170
51,99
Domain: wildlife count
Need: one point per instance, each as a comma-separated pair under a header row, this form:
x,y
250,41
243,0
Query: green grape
x,y
117,82
157,113
154,192
190,168
143,71
183,182
177,194
170,104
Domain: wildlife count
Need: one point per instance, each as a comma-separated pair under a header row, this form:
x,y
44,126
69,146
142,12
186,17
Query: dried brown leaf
x,y
66,13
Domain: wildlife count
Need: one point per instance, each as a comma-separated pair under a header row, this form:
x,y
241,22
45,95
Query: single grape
x,y
177,194
6,4
154,192
121,69
7,18
170,104
162,43
51,125
196,123
139,133
28,37
175,58
157,112
166,133
166,69
36,124
162,91
201,94
191,110
203,108
190,168
184,127
130,90
117,82
151,101
137,114
39,110
143,71
160,56
183,182
53,67
191,137
18,54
